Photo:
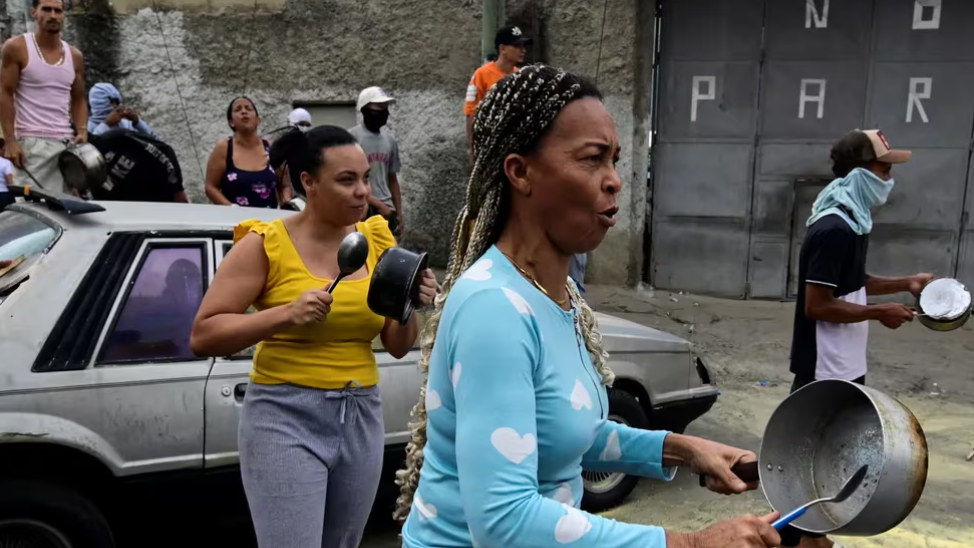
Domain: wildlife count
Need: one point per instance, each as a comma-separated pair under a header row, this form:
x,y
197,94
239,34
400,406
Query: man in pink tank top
x,y
42,92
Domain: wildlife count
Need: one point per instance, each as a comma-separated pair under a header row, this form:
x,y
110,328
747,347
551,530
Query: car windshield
x,y
21,238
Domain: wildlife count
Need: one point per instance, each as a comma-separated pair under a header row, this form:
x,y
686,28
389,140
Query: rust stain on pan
x,y
921,459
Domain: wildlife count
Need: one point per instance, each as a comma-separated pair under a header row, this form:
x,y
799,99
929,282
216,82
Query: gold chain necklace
x,y
41,52
531,279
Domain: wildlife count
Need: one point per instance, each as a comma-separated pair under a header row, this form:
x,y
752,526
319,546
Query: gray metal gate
x,y
752,94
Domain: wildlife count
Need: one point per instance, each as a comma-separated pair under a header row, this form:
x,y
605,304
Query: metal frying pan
x,y
819,436
938,324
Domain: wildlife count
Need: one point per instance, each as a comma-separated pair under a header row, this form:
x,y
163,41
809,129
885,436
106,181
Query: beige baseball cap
x,y
869,145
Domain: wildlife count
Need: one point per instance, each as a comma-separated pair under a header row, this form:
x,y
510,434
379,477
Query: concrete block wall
x,y
180,62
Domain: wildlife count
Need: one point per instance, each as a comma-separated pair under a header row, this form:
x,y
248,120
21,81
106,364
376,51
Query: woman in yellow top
x,y
311,435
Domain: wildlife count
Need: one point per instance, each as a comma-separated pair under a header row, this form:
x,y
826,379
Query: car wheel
x,y
604,490
35,514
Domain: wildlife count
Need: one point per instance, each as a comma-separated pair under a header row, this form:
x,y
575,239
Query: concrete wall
x,y
180,62
611,42
182,65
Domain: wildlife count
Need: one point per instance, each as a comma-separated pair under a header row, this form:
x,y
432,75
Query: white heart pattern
x,y
518,301
612,450
480,271
564,495
580,397
455,374
426,511
572,526
514,447
433,400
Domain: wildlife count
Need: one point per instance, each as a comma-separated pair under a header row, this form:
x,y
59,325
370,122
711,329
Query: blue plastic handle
x,y
787,519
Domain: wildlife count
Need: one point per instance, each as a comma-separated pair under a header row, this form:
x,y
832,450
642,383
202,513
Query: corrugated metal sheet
x,y
752,95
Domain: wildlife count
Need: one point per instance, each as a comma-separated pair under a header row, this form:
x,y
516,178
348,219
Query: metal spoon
x,y
848,489
352,254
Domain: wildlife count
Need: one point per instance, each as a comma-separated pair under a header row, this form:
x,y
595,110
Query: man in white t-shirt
x,y
6,178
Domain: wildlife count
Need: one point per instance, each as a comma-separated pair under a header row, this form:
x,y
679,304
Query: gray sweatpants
x,y
311,461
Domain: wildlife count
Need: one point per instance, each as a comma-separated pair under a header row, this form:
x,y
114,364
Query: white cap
x,y
373,95
298,115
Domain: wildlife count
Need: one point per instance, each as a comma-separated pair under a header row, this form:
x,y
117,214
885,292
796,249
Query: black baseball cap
x,y
511,36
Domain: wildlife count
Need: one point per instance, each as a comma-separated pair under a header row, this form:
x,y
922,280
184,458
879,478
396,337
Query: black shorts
x,y
789,535
6,198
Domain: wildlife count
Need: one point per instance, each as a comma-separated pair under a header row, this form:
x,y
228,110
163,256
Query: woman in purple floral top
x,y
238,171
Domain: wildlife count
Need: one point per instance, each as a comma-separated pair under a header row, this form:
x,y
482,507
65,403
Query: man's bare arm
x,y
380,206
79,100
396,192
878,285
13,54
821,305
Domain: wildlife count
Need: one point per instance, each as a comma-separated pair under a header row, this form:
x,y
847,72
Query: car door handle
x,y
240,391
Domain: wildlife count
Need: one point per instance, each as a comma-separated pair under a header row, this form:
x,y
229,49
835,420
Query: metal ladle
x,y
847,490
352,254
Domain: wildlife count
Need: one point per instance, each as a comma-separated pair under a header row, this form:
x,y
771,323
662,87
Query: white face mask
x,y
304,129
883,193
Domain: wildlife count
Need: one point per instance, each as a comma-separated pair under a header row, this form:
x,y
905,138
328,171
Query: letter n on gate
x,y
812,15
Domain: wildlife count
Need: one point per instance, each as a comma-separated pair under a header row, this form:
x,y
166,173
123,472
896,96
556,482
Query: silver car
x,y
101,396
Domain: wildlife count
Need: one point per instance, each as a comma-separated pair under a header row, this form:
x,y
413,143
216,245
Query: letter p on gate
x,y
696,95
916,95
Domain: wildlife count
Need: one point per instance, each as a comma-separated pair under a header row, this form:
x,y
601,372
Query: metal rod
x,y
31,175
493,13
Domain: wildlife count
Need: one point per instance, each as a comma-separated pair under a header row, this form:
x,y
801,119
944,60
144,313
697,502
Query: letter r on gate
x,y
696,95
915,95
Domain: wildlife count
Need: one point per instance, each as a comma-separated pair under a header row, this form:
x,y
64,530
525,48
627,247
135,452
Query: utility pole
x,y
494,15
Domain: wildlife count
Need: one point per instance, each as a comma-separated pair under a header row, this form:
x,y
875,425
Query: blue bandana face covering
x,y
852,198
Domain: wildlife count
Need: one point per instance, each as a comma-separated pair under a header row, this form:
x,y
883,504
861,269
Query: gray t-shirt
x,y
383,154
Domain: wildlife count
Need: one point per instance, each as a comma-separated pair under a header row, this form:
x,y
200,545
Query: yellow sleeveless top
x,y
335,351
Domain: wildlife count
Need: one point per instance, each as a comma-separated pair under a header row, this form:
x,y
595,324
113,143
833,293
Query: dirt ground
x,y
746,344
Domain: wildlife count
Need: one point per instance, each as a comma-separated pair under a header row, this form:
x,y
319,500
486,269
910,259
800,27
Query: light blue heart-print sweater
x,y
515,410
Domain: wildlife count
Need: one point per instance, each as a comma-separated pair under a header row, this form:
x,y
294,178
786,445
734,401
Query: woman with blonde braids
x,y
516,400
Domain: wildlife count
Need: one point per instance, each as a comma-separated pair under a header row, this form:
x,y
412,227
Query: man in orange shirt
x,y
511,47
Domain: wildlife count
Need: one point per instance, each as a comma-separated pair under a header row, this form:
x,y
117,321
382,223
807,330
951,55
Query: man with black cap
x,y
832,313
511,47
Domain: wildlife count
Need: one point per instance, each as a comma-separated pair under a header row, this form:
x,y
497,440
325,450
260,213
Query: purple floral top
x,y
249,188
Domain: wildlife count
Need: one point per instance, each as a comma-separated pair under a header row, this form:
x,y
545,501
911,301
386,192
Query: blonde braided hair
x,y
511,119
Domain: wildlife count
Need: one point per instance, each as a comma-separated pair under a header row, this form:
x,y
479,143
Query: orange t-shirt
x,y
483,79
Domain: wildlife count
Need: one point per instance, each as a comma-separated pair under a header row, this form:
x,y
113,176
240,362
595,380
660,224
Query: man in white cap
x,y
383,154
299,118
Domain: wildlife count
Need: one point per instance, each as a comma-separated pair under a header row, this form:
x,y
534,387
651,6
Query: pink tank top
x,y
43,98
